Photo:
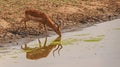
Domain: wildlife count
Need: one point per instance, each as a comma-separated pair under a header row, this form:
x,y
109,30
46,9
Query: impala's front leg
x,y
46,30
39,43
46,34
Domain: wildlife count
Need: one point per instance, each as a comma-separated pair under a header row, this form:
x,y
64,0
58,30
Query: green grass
x,y
3,48
14,57
116,28
94,39
69,41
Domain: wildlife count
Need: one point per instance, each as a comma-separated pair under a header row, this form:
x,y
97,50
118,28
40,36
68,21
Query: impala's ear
x,y
58,30
59,24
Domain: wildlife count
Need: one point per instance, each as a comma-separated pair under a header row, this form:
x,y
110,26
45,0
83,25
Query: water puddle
x,y
39,50
82,34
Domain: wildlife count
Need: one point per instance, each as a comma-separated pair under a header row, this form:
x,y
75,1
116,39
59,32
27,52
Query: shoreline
x,y
29,38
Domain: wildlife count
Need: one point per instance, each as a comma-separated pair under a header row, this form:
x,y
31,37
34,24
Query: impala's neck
x,y
55,27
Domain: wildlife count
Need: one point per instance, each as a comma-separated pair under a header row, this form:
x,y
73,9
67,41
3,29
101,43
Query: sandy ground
x,y
96,46
73,14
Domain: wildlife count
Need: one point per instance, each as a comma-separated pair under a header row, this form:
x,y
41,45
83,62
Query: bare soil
x,y
74,15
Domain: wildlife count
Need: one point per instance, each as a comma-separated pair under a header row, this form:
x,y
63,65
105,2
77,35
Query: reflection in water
x,y
41,52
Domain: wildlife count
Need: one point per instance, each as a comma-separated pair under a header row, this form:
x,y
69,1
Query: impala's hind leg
x,y
24,20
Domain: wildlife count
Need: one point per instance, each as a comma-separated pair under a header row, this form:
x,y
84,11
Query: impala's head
x,y
55,26
58,31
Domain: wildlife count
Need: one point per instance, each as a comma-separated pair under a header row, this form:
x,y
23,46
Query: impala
x,y
41,17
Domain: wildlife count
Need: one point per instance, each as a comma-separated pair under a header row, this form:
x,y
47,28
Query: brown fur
x,y
41,17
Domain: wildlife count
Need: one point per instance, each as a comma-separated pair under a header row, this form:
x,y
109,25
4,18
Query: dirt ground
x,y
73,14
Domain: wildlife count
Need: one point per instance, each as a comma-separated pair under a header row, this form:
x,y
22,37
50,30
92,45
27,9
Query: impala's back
x,y
43,18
